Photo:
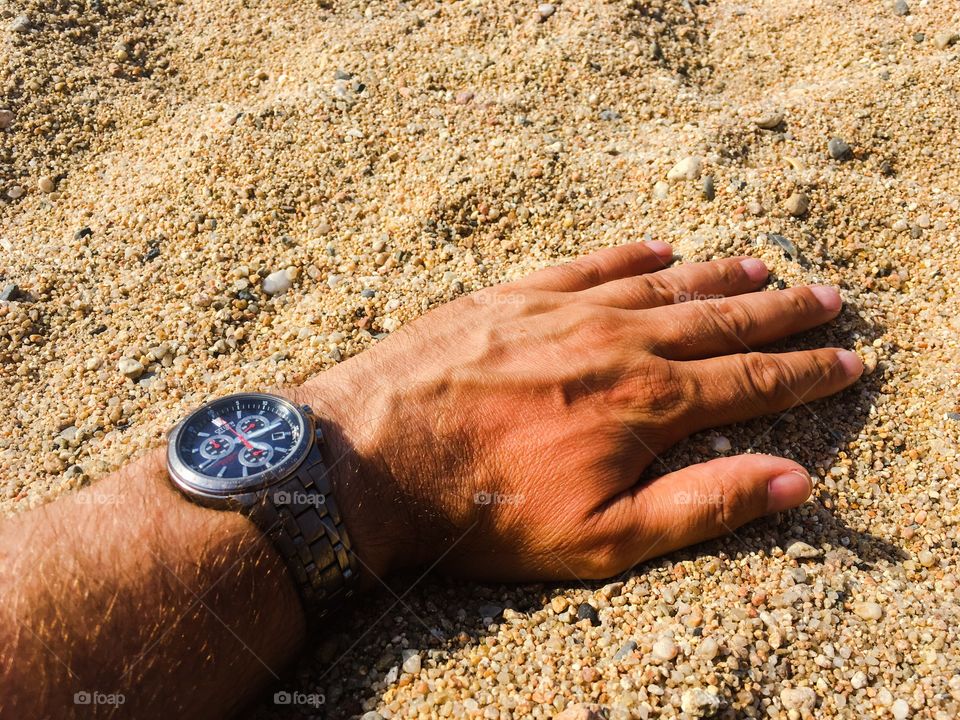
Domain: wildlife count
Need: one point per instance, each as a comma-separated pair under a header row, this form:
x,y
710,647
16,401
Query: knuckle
x,y
731,316
655,291
762,376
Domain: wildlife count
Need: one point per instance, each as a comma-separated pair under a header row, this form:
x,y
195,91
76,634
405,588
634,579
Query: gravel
x,y
468,140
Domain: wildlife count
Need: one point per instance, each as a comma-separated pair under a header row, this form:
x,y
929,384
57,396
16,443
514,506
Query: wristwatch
x,y
261,455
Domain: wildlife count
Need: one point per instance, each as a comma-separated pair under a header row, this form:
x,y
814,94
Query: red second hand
x,y
244,440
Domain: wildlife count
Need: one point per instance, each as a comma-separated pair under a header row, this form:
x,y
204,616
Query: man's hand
x,y
504,434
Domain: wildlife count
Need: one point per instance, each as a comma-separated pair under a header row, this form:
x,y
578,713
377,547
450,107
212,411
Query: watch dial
x,y
240,436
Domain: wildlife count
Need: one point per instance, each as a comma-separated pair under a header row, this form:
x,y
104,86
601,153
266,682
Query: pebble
x,y
545,10
699,703
838,149
371,715
785,244
411,662
769,120
586,611
797,204
625,650
15,192
858,680
868,610
576,712
6,119
901,8
559,603
10,292
870,360
720,443
708,648
661,190
926,558
20,24
687,169
45,184
944,40
277,283
900,709
130,367
799,550
490,612
609,115
665,649
802,699
709,191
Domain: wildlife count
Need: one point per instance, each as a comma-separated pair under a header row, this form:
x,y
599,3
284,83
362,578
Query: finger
x,y
696,281
704,501
739,387
603,266
745,322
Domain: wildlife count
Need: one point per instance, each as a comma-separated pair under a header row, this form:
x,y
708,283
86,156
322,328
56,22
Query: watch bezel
x,y
214,488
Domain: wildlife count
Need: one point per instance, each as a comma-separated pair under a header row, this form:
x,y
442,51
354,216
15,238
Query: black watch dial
x,y
241,438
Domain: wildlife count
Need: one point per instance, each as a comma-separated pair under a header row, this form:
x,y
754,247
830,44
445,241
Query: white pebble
x,y
46,184
665,649
130,367
721,444
277,282
687,169
868,610
803,699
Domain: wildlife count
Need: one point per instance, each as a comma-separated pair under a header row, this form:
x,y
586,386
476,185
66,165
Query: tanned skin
x,y
502,436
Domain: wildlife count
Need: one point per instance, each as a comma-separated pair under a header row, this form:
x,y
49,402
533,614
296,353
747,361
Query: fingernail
x,y
788,490
850,362
660,248
755,269
828,296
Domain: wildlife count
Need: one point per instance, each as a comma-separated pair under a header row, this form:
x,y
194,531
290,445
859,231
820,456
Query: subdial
x,y
217,447
257,455
252,423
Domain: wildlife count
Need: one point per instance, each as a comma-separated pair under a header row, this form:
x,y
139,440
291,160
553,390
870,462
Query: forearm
x,y
128,588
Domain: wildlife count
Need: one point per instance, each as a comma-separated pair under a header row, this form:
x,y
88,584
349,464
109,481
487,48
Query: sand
x,y
159,160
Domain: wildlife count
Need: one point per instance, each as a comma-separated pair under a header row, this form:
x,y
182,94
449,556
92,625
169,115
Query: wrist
x,y
370,502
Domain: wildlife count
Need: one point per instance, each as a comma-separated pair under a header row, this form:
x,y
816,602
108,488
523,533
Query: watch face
x,y
238,443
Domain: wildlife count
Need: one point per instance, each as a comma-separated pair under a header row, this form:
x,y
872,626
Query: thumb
x,y
708,500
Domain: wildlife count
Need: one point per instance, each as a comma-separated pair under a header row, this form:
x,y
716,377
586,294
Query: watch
x,y
261,455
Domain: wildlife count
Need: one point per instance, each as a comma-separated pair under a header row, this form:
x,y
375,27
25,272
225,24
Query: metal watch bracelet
x,y
301,518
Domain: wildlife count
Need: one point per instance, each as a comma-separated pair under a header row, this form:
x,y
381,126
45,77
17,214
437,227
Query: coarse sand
x,y
158,160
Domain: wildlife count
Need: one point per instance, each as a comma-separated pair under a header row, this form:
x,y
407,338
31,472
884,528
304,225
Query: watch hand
x,y
261,431
223,423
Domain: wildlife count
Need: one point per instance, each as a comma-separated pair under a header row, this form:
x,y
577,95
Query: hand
x,y
504,434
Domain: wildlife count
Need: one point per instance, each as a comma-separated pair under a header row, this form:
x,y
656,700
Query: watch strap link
x,y
301,517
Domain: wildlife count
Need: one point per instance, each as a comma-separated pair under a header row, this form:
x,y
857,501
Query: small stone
x,y
945,39
10,292
576,712
797,204
82,233
559,603
769,120
709,191
870,360
590,674
859,680
372,715
625,650
868,610
276,283
785,244
367,293
661,189
491,612
900,709
799,550
802,699
611,590
411,662
93,363
6,119
130,367
838,149
45,184
609,115
586,611
720,444
464,97
665,649
926,558
687,169
545,10
20,24
699,703
708,648
15,192
901,8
